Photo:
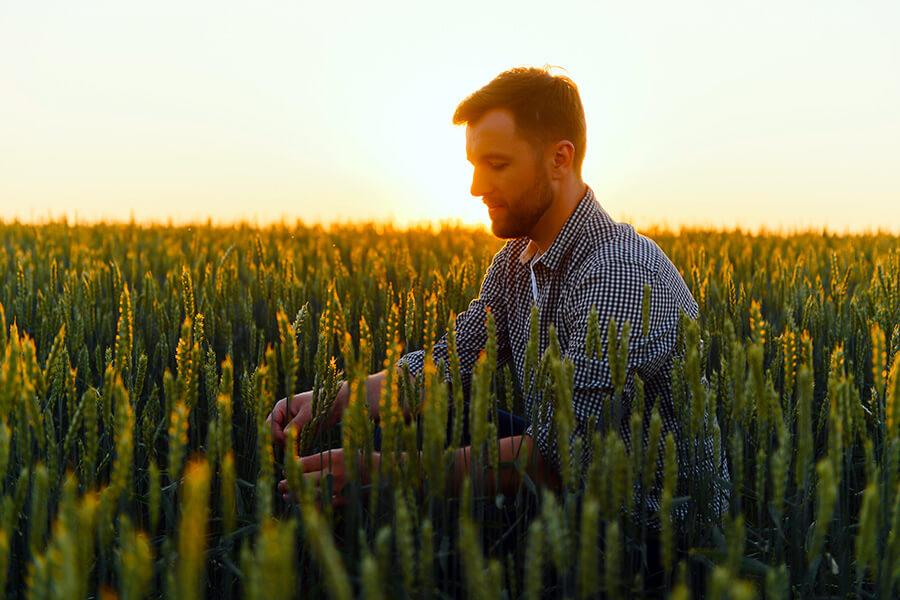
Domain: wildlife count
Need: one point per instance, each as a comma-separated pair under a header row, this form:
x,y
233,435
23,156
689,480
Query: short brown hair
x,y
546,107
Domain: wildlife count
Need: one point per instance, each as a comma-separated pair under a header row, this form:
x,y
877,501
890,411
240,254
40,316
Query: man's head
x,y
525,139
545,108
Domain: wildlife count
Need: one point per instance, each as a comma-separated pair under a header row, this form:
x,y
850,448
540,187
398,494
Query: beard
x,y
519,216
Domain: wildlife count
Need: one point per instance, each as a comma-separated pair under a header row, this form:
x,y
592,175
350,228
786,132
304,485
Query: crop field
x,y
138,366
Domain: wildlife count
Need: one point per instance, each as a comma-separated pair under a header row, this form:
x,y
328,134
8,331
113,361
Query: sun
x,y
437,177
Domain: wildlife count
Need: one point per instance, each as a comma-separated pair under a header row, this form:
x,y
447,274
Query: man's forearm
x,y
373,395
519,447
342,399
374,383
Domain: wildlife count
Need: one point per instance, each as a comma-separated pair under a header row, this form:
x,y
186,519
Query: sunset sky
x,y
774,114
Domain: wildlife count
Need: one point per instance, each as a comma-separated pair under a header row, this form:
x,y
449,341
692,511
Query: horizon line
x,y
657,228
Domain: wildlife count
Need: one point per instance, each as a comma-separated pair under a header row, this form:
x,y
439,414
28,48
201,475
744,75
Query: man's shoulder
x,y
612,248
615,267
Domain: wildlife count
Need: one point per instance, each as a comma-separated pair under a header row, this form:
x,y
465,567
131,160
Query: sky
x,y
782,115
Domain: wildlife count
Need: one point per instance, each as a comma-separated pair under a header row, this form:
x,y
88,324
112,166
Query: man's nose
x,y
480,185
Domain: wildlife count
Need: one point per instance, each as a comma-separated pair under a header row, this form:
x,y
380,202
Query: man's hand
x,y
297,414
317,466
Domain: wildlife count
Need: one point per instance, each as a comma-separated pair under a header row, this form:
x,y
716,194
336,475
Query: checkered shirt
x,y
593,262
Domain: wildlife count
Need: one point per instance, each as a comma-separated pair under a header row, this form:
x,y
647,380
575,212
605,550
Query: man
x,y
525,137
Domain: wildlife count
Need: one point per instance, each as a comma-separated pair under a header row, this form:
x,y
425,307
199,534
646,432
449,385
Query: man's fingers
x,y
276,416
276,421
278,436
315,467
287,494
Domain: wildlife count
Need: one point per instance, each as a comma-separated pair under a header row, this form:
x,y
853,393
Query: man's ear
x,y
562,157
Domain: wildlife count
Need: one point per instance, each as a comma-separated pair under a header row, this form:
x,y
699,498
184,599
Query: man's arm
x,y
471,336
519,447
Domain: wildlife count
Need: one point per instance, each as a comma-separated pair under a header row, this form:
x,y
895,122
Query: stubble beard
x,y
525,211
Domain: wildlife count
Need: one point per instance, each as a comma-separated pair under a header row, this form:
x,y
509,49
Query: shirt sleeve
x,y
616,290
470,325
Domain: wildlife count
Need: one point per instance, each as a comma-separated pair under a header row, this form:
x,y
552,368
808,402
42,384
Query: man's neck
x,y
550,224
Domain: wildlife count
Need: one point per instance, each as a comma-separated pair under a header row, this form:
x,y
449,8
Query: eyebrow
x,y
489,156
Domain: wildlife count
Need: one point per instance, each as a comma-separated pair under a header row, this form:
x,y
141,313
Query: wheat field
x,y
138,365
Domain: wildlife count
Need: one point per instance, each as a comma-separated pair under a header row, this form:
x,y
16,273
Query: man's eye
x,y
498,166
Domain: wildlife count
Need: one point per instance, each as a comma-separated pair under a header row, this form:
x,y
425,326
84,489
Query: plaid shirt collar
x,y
568,236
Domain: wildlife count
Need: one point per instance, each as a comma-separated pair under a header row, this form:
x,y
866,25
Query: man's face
x,y
509,175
